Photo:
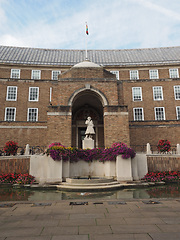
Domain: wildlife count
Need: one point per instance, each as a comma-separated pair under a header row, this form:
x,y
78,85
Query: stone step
x,y
85,180
89,184
89,187
103,186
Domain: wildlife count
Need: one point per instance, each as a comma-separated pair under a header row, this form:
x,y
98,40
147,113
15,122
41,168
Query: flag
x,y
87,29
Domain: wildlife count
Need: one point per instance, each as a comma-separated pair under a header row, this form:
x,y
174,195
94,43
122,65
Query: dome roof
x,y
86,64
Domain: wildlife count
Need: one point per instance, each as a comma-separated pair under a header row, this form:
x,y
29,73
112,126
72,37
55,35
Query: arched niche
x,y
84,104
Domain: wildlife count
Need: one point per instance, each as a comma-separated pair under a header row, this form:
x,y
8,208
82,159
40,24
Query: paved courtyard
x,y
95,220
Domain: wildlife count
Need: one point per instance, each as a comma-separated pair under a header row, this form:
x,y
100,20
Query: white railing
x,y
174,150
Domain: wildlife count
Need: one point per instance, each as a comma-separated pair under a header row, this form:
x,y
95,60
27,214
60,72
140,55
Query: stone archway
x,y
87,103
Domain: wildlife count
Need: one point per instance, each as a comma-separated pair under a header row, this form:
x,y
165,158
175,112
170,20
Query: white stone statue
x,y
88,141
90,128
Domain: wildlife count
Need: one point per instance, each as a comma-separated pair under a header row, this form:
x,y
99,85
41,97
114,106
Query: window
x,y
55,75
33,94
157,93
10,114
153,74
177,92
178,112
32,114
137,93
15,73
11,93
173,73
134,74
138,114
36,74
116,73
159,113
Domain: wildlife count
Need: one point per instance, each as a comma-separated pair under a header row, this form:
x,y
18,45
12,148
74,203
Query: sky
x,y
112,24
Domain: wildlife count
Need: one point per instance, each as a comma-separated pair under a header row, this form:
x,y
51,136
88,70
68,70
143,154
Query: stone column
x,y
27,150
178,149
148,149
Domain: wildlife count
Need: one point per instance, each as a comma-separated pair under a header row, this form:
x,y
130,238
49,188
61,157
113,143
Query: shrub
x,y
25,179
13,178
55,144
11,148
166,176
119,145
164,146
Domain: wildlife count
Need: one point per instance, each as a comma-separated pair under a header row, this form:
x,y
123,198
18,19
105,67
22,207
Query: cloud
x,y
61,24
10,40
3,17
159,8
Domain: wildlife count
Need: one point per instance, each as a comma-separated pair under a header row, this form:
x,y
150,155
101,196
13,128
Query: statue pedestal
x,y
88,143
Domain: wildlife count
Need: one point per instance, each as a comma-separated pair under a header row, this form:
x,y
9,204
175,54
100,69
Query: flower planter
x,y
123,169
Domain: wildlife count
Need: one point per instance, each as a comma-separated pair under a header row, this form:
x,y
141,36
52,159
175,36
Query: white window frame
x,y
33,74
142,114
30,94
134,74
177,92
134,94
56,72
29,109
16,73
178,112
14,116
9,94
158,92
116,73
156,116
172,73
153,74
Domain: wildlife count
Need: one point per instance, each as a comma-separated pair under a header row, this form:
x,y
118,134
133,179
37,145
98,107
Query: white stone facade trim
x,y
115,113
59,113
23,126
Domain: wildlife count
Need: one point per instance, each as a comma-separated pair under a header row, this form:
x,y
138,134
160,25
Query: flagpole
x,y
86,48
86,40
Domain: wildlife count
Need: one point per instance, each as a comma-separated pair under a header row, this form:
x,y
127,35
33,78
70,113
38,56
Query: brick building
x,y
132,96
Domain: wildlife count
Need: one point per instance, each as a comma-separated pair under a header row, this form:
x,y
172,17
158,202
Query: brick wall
x,y
87,73
148,103
46,71
163,163
14,164
23,103
63,89
59,130
23,133
25,71
116,126
152,132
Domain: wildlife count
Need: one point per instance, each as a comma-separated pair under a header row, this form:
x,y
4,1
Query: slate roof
x,y
62,57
